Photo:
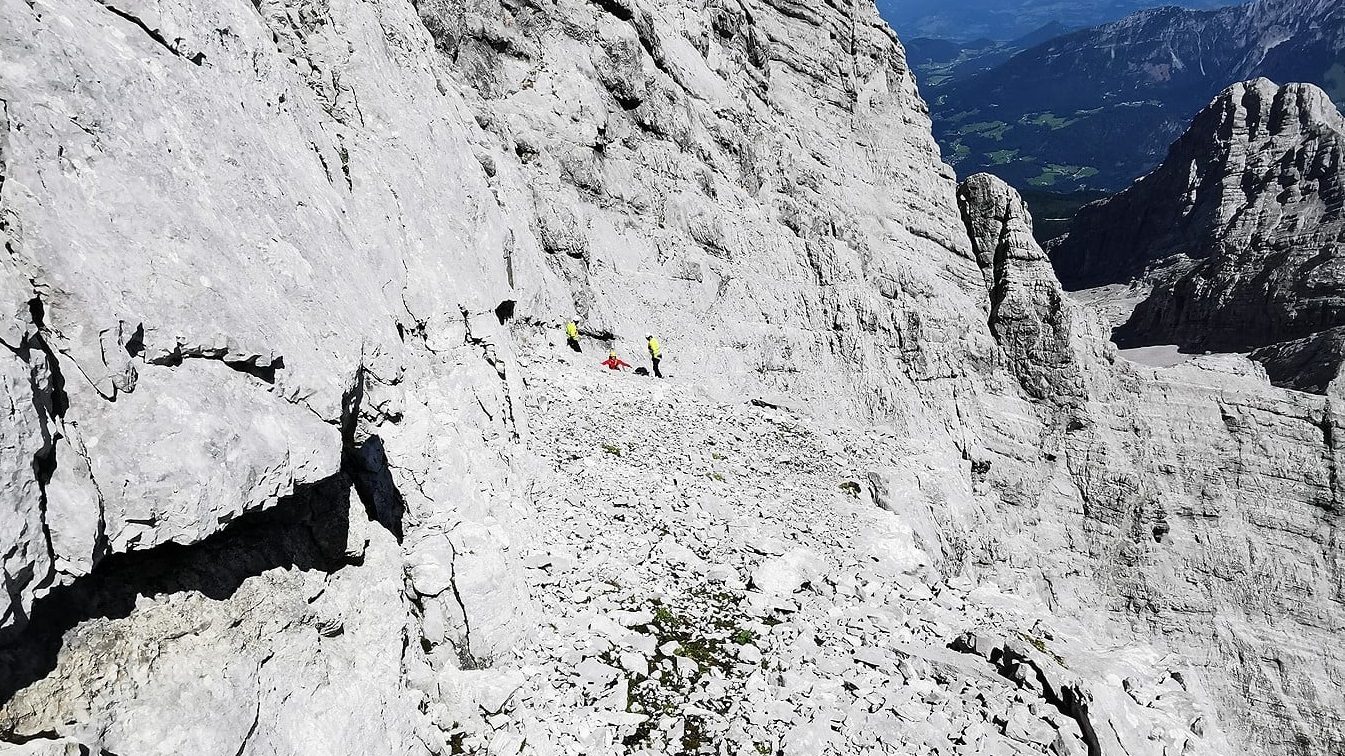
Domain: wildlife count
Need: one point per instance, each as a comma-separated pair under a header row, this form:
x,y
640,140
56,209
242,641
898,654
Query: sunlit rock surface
x,y
296,459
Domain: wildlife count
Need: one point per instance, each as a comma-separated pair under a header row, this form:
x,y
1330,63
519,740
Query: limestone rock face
x,y
1028,311
1147,452
1238,233
635,188
296,458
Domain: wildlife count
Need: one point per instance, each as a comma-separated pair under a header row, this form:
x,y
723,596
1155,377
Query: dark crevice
x,y
465,657
262,370
366,464
628,102
1072,704
352,401
197,59
60,401
264,373
256,719
31,737
605,335
505,311
645,32
4,134
326,169
994,268
306,531
345,163
51,404
136,344
489,354
44,462
1069,700
499,46
617,8
1331,504
998,271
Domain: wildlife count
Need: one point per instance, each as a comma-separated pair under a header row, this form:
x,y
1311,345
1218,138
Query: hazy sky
x,y
1010,19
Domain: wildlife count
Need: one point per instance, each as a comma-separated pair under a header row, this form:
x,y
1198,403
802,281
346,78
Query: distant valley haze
x,y
1075,98
1005,20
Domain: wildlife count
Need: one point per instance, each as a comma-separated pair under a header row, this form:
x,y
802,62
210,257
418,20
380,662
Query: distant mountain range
x,y
1005,20
939,62
1096,108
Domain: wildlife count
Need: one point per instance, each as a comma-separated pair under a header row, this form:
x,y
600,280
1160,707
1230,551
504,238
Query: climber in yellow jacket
x,y
572,333
655,353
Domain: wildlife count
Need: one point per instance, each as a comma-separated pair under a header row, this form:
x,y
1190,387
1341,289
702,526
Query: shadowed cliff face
x,y
1239,234
284,247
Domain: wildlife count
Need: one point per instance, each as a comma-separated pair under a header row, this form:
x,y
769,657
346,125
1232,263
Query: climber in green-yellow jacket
x,y
655,353
572,333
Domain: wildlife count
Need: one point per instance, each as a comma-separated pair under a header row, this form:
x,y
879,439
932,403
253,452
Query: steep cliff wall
x,y
1201,504
295,460
262,257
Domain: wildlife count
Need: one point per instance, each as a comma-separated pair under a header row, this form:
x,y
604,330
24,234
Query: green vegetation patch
x,y
1048,119
1040,645
1054,172
1002,157
992,130
706,627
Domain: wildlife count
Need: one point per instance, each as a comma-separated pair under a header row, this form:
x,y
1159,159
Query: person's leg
x,y
657,373
574,344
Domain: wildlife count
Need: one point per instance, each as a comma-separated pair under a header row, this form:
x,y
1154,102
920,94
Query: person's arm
x,y
622,363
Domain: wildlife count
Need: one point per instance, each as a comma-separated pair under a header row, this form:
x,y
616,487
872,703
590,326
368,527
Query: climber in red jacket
x,y
613,362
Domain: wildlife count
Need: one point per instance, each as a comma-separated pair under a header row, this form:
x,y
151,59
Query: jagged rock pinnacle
x,y
1238,235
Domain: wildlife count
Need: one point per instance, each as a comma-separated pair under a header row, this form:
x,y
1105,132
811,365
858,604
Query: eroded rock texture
x,y
1238,233
1170,493
1029,315
296,459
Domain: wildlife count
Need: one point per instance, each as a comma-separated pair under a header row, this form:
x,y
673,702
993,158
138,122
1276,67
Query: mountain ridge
x,y
1238,233
1097,108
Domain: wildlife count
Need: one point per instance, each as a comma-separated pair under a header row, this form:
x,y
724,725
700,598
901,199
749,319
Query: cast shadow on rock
x,y
305,531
